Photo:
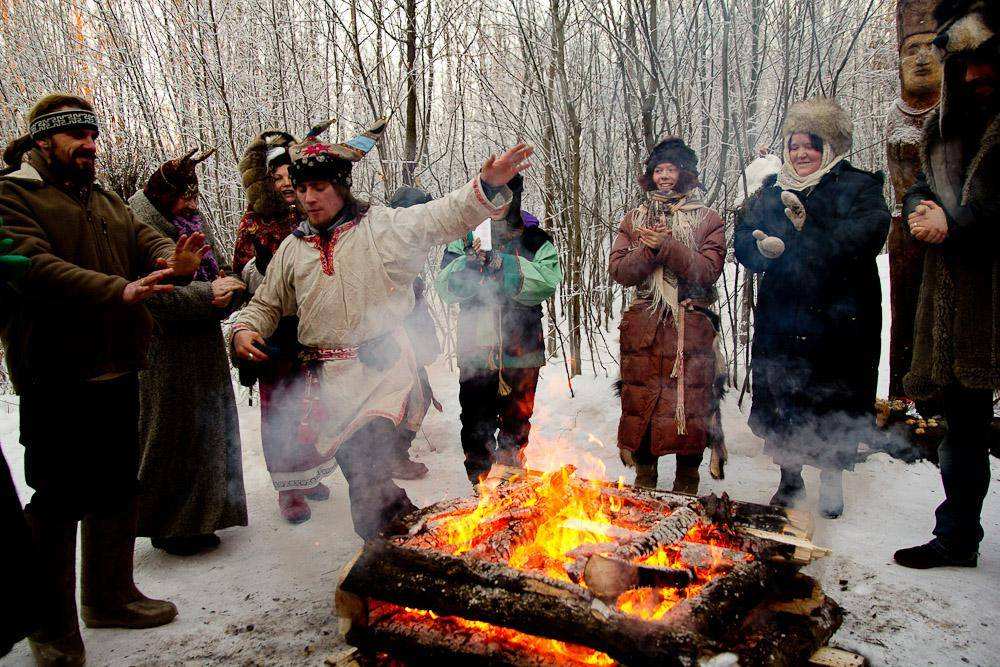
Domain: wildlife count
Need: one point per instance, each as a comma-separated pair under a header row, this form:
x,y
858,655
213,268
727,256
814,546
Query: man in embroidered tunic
x,y
347,273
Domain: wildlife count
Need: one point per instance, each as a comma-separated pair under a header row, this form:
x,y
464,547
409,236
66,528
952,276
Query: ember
x,y
613,574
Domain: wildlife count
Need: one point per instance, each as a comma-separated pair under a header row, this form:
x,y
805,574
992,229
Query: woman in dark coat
x,y
814,231
672,249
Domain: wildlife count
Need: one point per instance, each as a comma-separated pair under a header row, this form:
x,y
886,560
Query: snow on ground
x,y
265,596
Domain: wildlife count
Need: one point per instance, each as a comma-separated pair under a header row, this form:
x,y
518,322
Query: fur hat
x,y
174,179
312,158
914,17
824,118
967,26
256,174
674,151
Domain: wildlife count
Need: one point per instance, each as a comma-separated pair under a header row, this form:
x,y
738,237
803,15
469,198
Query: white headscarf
x,y
789,180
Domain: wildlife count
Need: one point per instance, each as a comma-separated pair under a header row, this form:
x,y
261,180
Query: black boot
x,y
57,640
790,488
108,593
933,554
831,493
686,480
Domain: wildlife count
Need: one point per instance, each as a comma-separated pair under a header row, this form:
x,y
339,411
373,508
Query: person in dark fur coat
x,y
188,423
500,342
671,248
953,209
814,231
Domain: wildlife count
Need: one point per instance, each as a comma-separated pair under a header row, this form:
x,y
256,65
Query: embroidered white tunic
x,y
365,293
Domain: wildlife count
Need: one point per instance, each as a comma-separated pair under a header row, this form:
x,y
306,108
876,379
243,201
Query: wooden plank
x,y
828,656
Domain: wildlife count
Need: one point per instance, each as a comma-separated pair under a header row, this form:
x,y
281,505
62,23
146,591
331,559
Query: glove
x,y
11,266
262,256
794,209
769,246
627,457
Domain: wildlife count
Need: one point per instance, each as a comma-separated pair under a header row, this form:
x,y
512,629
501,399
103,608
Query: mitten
x,y
769,246
627,457
794,209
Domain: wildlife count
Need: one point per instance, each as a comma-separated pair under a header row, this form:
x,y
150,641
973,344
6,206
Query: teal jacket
x,y
501,311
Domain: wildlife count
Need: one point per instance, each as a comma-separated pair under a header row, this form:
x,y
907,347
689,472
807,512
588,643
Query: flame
x,y
568,654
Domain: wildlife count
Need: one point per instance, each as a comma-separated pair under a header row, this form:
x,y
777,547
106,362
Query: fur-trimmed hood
x,y
823,117
261,197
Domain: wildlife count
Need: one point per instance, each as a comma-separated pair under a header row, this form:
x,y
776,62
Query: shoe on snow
x,y
933,554
66,651
186,545
142,612
319,492
293,506
409,469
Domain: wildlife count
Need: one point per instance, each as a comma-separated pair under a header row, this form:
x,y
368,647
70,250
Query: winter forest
x,y
591,85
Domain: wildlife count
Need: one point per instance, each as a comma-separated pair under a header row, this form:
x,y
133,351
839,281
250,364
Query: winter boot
x,y
108,593
404,467
293,506
186,545
790,488
933,554
510,457
57,640
319,492
686,480
831,493
645,475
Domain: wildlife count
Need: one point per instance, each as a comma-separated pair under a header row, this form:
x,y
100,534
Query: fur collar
x,y
26,173
932,137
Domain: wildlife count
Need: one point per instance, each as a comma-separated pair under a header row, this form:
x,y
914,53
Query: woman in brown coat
x,y
671,248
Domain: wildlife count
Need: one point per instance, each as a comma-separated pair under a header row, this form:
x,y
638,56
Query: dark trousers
x,y
644,455
366,461
964,459
81,444
485,412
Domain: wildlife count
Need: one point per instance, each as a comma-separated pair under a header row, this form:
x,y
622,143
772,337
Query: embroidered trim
x,y
63,120
326,245
328,354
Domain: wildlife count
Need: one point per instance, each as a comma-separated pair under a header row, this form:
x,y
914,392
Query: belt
x,y
328,354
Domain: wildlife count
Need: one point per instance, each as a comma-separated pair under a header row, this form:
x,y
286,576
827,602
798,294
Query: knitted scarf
x,y
188,225
680,215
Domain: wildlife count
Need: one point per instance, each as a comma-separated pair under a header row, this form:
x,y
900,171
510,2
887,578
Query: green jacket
x,y
502,310
68,321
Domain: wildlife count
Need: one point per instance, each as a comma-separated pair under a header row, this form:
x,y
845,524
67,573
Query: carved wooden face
x,y
920,66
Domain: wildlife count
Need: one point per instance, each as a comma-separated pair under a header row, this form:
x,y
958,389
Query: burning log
x,y
668,530
609,577
724,601
477,590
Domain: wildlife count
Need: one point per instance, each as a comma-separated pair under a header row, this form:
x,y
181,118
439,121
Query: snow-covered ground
x,y
265,596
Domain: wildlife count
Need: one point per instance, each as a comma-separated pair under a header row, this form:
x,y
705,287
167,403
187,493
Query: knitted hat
x,y
405,197
314,159
175,179
674,151
914,17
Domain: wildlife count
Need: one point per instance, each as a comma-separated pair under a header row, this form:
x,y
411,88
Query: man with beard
x,y
272,214
75,338
953,208
348,273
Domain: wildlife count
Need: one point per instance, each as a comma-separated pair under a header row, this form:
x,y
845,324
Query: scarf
x,y
789,180
188,225
681,215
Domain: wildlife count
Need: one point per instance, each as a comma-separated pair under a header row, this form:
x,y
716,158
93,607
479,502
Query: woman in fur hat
x,y
671,248
814,231
272,214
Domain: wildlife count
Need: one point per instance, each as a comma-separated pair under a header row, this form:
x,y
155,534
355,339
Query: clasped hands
x,y
928,222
